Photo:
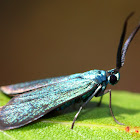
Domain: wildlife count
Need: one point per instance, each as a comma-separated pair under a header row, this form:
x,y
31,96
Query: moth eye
x,y
113,79
99,72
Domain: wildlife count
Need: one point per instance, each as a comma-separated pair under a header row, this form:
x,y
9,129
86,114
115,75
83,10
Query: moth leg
x,y
106,91
99,87
99,104
109,90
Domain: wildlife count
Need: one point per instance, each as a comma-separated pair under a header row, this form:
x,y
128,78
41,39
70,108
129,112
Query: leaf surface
x,y
93,122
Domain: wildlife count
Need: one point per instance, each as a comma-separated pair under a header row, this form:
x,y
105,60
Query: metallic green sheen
x,y
56,93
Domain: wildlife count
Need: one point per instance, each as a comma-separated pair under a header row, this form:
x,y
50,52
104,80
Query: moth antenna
x,y
126,44
119,53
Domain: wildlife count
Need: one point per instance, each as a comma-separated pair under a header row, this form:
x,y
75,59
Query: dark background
x,y
52,38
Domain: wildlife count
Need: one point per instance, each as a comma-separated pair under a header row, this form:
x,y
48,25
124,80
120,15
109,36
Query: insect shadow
x,y
90,112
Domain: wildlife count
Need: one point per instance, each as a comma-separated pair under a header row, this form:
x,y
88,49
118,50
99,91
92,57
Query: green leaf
x,y
92,123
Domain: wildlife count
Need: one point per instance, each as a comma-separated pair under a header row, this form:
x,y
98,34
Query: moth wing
x,y
19,88
27,107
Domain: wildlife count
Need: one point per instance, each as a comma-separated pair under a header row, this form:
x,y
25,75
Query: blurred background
x,y
40,39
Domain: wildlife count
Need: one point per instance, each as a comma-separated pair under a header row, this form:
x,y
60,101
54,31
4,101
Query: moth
x,y
32,100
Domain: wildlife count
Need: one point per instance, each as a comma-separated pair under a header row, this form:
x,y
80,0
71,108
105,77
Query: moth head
x,y
113,76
